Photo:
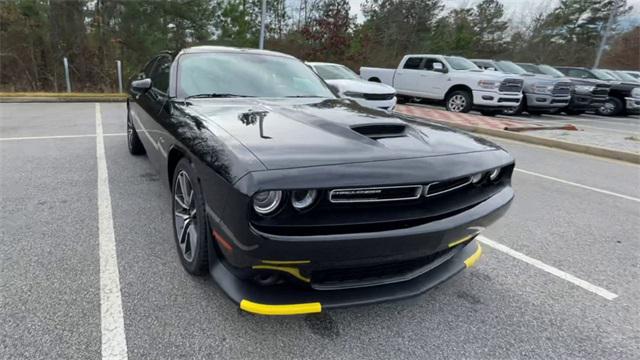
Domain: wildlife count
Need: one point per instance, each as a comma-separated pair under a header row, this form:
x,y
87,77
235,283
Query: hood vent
x,y
381,131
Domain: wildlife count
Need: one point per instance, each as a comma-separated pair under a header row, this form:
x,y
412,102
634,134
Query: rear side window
x,y
413,63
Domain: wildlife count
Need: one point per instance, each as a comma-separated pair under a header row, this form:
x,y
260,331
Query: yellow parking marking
x,y
473,258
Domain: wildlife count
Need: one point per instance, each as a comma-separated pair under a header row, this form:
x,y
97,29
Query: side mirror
x,y
140,86
438,67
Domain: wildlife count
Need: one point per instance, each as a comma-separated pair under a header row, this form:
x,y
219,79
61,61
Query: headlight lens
x,y
266,202
584,89
489,84
543,88
635,92
302,199
493,174
353,94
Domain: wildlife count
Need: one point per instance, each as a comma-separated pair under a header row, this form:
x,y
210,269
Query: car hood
x,y
290,133
361,86
486,74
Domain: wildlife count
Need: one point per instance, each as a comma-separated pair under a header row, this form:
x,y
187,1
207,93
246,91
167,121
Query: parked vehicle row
x,y
459,82
499,86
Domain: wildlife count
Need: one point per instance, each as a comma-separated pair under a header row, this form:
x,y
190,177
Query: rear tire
x,y
133,141
190,228
459,101
612,107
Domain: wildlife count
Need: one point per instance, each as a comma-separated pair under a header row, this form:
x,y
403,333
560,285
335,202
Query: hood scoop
x,y
381,131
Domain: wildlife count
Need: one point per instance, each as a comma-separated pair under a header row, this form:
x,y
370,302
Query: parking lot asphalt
x,y
577,214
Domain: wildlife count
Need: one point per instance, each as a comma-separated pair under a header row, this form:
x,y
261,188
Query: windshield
x,y
460,63
546,69
602,75
335,72
245,74
624,76
531,68
509,67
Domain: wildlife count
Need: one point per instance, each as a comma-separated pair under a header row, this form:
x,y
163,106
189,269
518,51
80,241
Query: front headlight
x,y
266,202
302,199
543,88
584,89
489,84
353,94
635,92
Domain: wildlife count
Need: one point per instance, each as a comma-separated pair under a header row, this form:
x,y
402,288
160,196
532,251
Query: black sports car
x,y
295,200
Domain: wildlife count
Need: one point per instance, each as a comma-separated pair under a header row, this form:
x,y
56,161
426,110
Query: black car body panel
x,y
326,253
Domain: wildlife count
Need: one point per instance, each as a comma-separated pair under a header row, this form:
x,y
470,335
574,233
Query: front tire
x,y
133,141
459,101
612,107
189,219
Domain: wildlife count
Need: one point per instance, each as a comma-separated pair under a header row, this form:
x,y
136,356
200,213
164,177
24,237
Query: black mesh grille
x,y
511,85
600,90
376,273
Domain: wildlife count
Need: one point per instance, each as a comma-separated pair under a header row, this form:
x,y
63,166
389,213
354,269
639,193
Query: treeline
x,y
35,35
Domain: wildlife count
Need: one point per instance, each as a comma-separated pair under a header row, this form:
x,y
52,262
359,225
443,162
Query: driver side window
x,y
429,64
160,74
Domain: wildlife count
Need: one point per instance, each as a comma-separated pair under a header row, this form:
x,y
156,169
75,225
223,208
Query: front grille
x,y
600,90
561,89
379,194
511,85
373,275
379,96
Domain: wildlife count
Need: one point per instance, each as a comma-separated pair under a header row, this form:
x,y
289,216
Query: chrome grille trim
x,y
562,89
417,194
511,85
427,194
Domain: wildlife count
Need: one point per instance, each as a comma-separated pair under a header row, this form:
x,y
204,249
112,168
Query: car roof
x,y
229,49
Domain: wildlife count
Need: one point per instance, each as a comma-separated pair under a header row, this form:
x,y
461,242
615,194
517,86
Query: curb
x,y
51,99
553,143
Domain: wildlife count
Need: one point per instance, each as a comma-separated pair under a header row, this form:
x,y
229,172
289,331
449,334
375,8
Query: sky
x,y
513,8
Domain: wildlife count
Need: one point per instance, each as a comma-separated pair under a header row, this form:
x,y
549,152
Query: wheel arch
x,y
174,156
458,87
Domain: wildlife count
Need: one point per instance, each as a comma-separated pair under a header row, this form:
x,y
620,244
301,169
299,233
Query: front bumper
x,y
546,102
585,102
493,99
633,105
301,256
278,300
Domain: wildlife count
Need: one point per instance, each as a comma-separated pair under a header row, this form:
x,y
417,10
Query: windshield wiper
x,y
303,96
215,95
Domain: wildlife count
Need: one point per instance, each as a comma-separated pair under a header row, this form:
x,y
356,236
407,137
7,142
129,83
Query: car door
x,y
154,112
406,77
433,78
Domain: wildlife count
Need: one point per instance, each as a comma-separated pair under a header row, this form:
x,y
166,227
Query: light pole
x,y
607,29
262,19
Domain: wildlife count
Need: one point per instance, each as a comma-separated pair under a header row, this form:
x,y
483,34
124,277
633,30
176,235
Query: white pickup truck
x,y
456,80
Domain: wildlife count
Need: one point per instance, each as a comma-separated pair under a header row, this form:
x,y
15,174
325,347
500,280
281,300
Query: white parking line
x,y
606,192
56,137
548,268
114,343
